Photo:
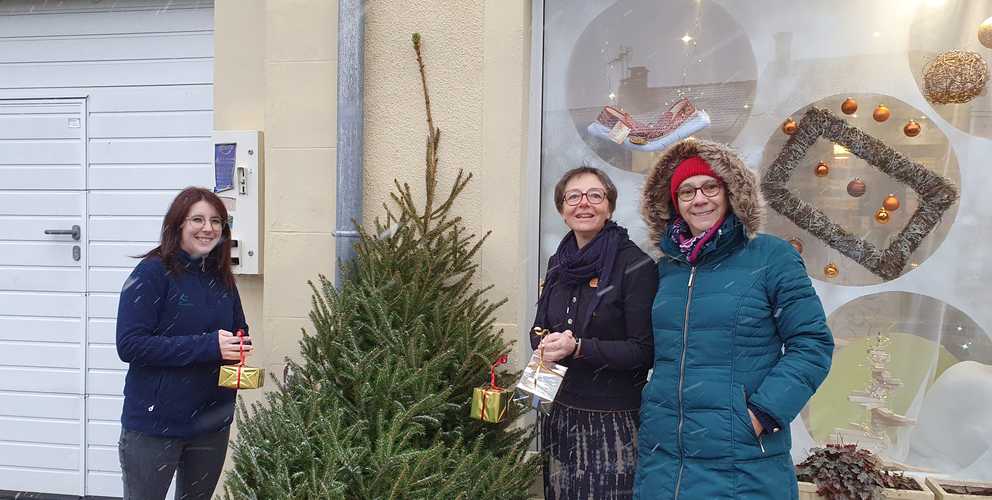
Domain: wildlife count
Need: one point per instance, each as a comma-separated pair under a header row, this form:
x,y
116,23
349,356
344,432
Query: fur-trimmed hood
x,y
742,186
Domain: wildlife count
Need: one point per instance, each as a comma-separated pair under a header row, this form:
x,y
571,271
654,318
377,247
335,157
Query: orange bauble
x,y
797,244
790,126
912,129
822,169
882,216
881,113
891,203
849,106
831,270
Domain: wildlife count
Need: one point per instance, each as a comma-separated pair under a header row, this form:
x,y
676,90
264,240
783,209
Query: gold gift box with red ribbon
x,y
490,404
241,377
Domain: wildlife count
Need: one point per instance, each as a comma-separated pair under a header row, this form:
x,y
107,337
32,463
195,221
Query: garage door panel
x,y
117,254
145,202
41,176
140,151
104,408
129,229
60,305
44,152
88,22
39,354
40,430
103,433
108,280
40,279
40,329
106,48
47,456
124,73
58,482
171,177
105,382
55,254
103,458
102,331
161,124
60,406
103,305
105,484
40,203
18,228
40,380
36,126
104,357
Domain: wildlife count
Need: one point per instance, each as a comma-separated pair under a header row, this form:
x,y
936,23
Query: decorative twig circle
x,y
956,76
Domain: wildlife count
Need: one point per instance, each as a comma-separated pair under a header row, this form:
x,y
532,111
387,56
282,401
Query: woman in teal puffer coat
x,y
740,338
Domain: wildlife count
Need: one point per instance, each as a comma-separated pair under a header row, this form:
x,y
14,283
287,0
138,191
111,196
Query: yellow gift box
x,y
489,404
241,377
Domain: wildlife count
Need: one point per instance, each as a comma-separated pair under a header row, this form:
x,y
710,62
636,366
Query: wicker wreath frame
x,y
936,193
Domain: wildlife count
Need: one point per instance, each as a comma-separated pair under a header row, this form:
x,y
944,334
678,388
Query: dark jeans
x,y
149,462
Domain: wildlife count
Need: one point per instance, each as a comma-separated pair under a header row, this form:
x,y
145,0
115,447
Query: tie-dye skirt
x,y
589,454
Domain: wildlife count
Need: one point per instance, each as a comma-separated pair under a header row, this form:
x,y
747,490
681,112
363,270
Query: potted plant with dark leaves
x,y
846,472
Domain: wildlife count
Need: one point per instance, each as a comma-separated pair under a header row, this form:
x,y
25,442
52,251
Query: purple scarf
x,y
690,245
570,266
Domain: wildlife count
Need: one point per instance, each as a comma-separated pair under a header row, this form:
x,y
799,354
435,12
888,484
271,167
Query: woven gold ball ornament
x,y
849,106
831,271
822,169
882,216
891,203
881,113
912,129
955,77
789,126
985,33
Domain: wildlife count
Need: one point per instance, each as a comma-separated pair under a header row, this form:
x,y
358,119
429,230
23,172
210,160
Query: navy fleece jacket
x,y
167,326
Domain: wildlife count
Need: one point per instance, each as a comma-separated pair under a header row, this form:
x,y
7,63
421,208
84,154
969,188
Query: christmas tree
x,y
378,407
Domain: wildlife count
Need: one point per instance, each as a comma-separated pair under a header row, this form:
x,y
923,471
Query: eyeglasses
x,y
594,196
688,192
198,221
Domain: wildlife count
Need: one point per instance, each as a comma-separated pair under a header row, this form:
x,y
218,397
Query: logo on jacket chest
x,y
184,301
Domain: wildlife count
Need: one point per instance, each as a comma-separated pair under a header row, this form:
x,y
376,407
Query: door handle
x,y
74,232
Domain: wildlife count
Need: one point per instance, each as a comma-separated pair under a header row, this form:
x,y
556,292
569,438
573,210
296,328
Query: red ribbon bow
x,y
492,371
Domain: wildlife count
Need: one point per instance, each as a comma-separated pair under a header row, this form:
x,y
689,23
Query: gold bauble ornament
x,y
985,33
856,188
912,129
956,76
831,270
882,216
891,203
849,106
822,169
796,243
881,113
790,126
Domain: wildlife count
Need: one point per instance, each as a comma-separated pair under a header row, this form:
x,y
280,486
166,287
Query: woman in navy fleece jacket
x,y
175,320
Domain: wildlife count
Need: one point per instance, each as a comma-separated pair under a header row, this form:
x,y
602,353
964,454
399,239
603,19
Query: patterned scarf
x,y
690,245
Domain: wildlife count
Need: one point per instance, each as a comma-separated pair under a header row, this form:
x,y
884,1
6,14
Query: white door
x,y
42,294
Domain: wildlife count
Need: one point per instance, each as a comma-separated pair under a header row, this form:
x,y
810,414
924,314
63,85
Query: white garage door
x,y
104,114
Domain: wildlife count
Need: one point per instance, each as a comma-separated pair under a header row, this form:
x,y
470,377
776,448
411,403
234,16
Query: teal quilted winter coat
x,y
743,325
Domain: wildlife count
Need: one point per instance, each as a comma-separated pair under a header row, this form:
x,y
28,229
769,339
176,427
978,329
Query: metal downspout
x,y
350,129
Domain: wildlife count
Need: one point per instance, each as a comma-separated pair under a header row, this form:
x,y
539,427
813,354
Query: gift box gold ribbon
x,y
240,376
489,404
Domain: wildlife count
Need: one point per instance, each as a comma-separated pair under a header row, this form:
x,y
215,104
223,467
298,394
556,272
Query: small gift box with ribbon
x,y
490,403
240,376
541,379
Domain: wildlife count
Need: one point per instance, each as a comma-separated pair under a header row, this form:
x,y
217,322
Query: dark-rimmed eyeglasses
x,y
594,196
688,192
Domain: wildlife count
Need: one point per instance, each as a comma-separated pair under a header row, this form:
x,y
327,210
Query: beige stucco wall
x,y
477,56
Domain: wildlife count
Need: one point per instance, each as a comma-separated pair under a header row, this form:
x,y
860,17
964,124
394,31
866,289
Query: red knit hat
x,y
689,167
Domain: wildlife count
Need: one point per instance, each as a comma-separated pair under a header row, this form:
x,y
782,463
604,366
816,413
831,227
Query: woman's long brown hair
x,y
219,259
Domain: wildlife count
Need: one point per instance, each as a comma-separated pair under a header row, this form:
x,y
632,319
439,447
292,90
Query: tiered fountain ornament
x,y
873,431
